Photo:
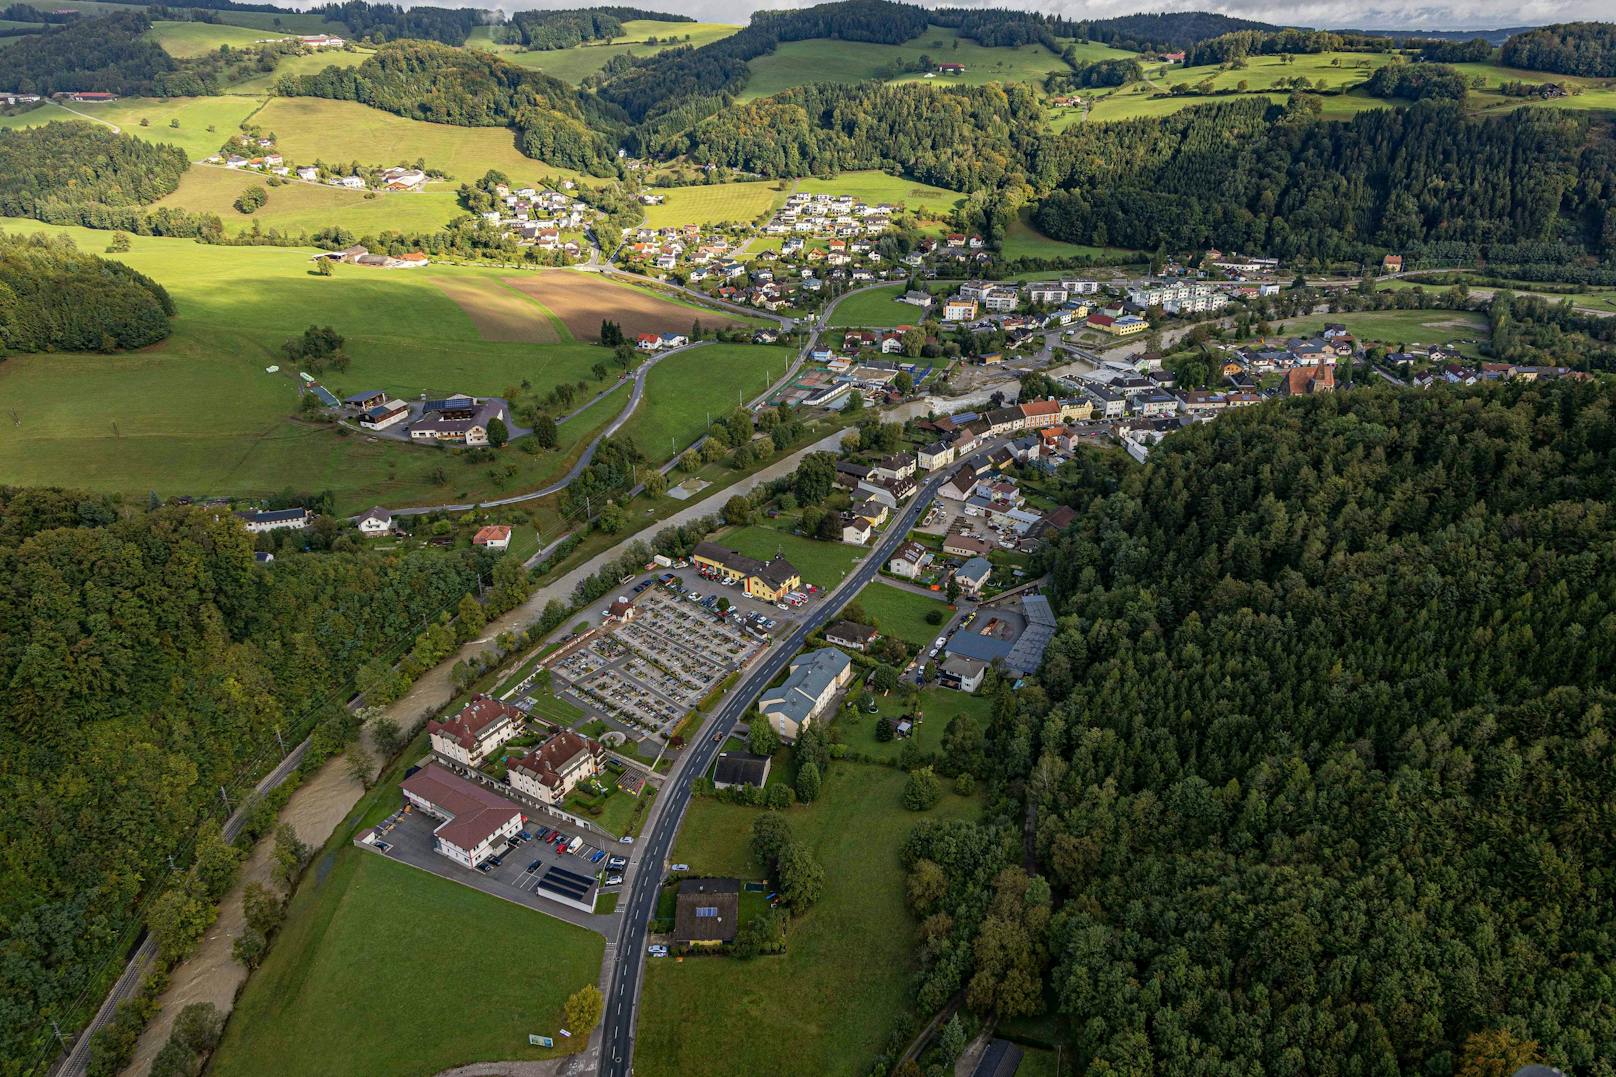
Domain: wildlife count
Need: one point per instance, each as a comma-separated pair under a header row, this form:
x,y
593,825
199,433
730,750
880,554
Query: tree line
x,y
148,661
55,298
1313,768
1570,48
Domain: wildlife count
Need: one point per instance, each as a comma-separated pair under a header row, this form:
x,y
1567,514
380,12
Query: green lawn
x,y
305,208
617,808
877,187
1325,70
199,413
184,40
1592,298
1397,327
715,203
829,1003
822,564
303,63
371,947
575,64
675,412
877,308
195,114
798,63
902,614
938,707
1022,240
311,128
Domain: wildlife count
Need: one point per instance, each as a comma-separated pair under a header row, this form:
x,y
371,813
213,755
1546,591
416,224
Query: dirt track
x,y
583,300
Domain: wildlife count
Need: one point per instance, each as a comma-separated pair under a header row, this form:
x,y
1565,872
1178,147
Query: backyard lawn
x,y
822,564
372,947
902,614
938,707
829,1003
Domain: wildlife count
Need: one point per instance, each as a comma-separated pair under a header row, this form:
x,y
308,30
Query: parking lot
x,y
533,873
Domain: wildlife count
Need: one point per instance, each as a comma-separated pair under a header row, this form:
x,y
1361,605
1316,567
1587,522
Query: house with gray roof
x,y
807,690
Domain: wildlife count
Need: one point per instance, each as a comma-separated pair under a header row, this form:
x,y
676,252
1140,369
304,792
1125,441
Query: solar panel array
x,y
566,883
1028,652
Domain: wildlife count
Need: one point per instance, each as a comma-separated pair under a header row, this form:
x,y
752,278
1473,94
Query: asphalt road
x,y
623,995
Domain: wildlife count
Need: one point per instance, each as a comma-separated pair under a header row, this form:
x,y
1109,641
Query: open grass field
x,y
300,208
829,1003
1602,299
1332,70
1022,240
583,300
798,63
310,128
306,63
183,40
575,64
1133,102
938,707
902,614
715,203
198,414
682,390
877,308
371,947
195,114
1397,327
822,564
877,187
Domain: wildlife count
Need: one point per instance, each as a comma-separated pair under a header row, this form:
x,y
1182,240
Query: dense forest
x,y
390,22
427,81
1417,82
1167,31
1319,763
147,661
54,298
1573,48
1227,48
82,173
1240,177
107,54
568,27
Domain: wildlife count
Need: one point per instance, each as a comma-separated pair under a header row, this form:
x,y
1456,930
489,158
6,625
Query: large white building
x,y
551,771
477,822
806,692
1179,297
472,735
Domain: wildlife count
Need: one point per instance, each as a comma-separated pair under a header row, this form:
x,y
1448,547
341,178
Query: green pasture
x,y
297,208
683,390
715,203
224,114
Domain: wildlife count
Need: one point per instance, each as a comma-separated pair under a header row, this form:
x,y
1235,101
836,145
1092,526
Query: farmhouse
x,y
385,414
472,735
460,418
707,913
477,822
493,537
951,69
808,689
378,521
552,770
771,580
276,520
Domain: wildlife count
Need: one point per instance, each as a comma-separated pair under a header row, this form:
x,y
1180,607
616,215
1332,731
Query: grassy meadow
x,y
296,207
876,187
877,308
675,412
822,564
369,943
199,413
714,203
576,64
901,614
304,63
224,114
829,1003
183,40
309,129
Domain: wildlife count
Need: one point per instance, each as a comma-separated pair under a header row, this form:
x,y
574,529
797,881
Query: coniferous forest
x,y
1318,770
54,298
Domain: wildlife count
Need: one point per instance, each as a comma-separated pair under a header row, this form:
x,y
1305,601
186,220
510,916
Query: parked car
x,y
612,880
656,949
680,867
625,840
535,865
617,862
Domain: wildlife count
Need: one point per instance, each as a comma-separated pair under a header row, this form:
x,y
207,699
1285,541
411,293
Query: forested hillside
x,y
147,660
1290,185
1573,48
55,171
107,54
1320,758
53,298
426,81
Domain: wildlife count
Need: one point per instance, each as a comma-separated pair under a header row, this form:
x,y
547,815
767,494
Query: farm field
x,y
901,614
829,1003
675,413
798,63
307,63
1592,299
1397,327
877,187
199,414
583,300
196,114
575,64
297,207
311,128
502,313
183,40
367,942
1022,240
822,564
1134,102
736,203
877,308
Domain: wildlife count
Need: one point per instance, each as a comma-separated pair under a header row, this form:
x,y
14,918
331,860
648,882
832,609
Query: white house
x,y
477,822
276,520
378,521
910,560
476,732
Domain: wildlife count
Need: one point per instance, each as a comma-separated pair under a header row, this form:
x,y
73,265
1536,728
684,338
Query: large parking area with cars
x,y
550,867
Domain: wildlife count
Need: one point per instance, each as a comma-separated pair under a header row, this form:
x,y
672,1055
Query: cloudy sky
x,y
1370,14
